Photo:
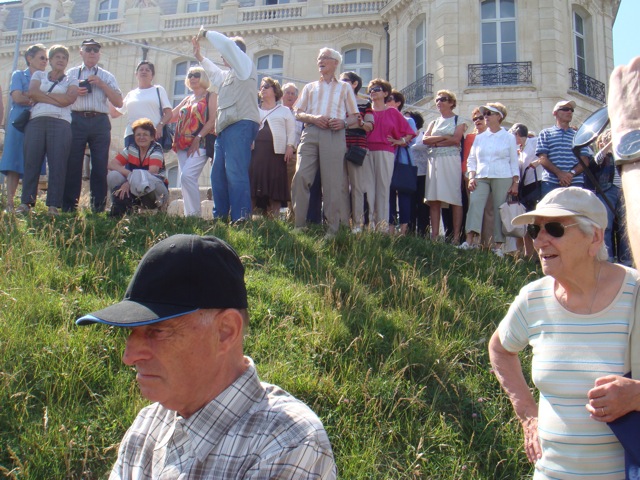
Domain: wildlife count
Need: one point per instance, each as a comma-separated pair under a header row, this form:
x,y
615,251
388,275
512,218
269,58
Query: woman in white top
x,y
273,149
145,102
492,167
48,133
444,175
577,320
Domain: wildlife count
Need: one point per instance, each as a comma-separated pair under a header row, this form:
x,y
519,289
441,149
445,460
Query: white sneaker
x,y
356,230
498,251
467,246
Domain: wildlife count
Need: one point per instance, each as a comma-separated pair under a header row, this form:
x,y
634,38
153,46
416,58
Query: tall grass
x,y
385,338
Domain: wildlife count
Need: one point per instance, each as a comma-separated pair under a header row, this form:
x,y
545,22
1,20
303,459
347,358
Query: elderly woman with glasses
x,y
196,116
576,320
444,175
273,149
492,168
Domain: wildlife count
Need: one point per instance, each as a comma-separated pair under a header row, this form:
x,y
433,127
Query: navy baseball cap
x,y
177,276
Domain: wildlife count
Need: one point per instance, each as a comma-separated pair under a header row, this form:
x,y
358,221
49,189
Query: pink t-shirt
x,y
387,122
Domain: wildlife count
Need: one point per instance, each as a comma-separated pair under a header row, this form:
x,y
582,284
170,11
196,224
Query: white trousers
x,y
141,183
190,170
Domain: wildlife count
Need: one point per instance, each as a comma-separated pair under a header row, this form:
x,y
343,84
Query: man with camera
x,y
90,125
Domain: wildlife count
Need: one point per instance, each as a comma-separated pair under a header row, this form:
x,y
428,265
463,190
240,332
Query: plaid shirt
x,y
252,430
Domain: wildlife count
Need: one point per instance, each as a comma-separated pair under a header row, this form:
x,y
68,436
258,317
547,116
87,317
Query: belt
x,y
87,114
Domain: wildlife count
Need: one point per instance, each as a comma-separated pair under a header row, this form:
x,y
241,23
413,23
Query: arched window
x,y
579,42
359,60
179,88
194,6
498,31
421,50
41,13
270,66
108,10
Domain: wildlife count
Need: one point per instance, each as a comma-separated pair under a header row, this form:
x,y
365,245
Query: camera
x,y
86,84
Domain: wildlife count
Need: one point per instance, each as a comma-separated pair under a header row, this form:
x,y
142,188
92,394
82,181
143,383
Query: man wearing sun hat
x,y
186,310
561,167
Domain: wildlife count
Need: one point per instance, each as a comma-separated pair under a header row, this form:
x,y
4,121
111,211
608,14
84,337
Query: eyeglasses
x,y
325,58
266,86
478,119
92,49
375,89
566,109
443,99
555,229
42,57
193,75
488,113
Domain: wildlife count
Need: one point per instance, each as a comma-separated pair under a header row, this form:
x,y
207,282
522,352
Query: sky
x,y
625,32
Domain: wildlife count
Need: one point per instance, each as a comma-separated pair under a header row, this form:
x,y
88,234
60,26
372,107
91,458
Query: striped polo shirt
x,y
555,143
334,99
570,351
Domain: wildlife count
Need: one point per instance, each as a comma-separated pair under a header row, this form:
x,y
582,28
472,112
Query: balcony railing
x,y
587,86
262,14
354,8
512,73
421,88
189,20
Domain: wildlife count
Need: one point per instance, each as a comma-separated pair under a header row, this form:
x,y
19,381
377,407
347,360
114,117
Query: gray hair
x,y
290,84
589,227
331,53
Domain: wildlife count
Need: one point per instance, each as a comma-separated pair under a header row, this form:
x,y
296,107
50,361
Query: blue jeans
x,y
615,197
230,170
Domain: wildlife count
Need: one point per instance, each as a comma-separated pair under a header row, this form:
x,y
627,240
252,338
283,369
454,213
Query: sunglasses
x,y
193,75
443,99
555,229
91,49
566,109
478,119
489,113
266,86
375,89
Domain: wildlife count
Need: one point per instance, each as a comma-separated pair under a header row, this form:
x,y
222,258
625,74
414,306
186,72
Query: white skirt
x,y
444,179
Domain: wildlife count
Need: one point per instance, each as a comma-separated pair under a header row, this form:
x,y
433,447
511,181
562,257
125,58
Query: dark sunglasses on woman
x,y
193,75
555,229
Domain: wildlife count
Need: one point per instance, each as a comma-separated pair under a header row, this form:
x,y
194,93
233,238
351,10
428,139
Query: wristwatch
x,y
573,172
628,149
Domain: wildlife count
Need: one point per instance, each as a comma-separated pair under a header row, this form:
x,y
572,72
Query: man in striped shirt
x,y
327,107
90,125
561,168
213,417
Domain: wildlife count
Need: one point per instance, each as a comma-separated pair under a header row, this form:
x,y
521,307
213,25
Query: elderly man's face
x,y
326,64
289,97
177,361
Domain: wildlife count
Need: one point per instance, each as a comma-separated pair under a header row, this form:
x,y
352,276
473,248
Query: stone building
x,y
526,54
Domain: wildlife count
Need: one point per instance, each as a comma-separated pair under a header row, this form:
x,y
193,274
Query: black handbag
x,y
530,194
355,154
166,141
20,123
405,176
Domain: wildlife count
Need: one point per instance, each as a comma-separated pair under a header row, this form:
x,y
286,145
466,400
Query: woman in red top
x,y
391,130
138,172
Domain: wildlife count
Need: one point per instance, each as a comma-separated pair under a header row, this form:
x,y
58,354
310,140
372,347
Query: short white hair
x,y
290,84
331,53
589,227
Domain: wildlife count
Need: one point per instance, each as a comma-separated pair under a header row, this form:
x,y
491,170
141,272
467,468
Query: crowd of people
x,y
213,416
330,152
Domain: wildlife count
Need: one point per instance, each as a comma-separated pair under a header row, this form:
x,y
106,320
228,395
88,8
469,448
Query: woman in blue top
x,y
12,163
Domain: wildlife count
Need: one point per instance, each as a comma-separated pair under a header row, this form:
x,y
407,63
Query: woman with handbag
x,y
12,163
492,167
48,133
391,130
147,101
400,202
273,149
443,184
196,118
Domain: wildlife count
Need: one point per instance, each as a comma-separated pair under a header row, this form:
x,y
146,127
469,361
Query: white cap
x,y
564,103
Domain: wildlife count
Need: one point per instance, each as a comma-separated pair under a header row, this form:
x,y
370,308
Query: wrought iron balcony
x,y
587,86
511,73
419,89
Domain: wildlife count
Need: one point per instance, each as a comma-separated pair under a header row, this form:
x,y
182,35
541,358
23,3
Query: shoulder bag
x,y
20,123
510,209
166,141
405,176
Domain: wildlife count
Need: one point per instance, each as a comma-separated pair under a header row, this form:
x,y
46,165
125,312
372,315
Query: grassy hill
x,y
385,338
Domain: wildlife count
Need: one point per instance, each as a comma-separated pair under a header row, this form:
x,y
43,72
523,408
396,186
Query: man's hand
x,y
321,121
565,179
612,397
624,92
202,33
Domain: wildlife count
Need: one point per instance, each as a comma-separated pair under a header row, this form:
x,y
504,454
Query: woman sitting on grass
x,y
137,173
